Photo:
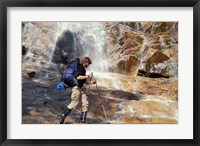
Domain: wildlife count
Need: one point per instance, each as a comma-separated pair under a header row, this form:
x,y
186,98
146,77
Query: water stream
x,y
92,38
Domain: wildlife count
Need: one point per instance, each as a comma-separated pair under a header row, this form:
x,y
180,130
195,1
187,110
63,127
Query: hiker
x,y
75,77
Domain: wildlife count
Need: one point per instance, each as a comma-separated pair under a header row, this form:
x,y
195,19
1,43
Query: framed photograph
x,y
99,72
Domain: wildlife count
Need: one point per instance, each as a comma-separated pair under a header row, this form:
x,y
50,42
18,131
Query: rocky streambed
x,y
125,99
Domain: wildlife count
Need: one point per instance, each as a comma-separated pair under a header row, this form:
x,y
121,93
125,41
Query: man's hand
x,y
93,82
90,75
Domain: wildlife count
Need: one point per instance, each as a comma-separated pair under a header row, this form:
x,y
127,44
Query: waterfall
x,y
91,37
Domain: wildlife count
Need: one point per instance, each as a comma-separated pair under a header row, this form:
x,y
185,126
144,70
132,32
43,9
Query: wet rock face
x,y
66,48
128,65
174,33
154,66
37,43
158,57
149,43
159,65
24,50
158,27
66,41
127,95
129,40
28,73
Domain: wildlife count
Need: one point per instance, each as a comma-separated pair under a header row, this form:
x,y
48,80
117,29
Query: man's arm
x,y
81,77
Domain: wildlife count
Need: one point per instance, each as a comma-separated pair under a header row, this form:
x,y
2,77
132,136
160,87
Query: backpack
x,y
67,78
72,67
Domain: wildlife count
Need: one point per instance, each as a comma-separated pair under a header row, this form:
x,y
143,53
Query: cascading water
x,y
91,36
143,52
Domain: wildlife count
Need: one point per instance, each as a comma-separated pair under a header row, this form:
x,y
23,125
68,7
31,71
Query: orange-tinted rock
x,y
155,45
172,53
155,66
33,113
157,57
146,27
128,66
130,39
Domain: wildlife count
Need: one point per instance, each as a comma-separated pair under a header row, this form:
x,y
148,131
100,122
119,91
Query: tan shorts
x,y
78,97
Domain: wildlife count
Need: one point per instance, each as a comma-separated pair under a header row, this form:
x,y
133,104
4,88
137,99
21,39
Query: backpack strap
x,y
62,77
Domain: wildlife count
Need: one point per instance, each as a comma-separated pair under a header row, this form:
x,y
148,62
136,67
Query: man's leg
x,y
85,105
75,99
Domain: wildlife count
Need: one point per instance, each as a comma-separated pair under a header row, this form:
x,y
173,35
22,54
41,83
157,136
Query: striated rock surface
x,y
149,43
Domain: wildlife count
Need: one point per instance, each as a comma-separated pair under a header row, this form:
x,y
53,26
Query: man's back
x,y
80,71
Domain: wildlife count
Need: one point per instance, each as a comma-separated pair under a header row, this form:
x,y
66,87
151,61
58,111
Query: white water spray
x,y
92,38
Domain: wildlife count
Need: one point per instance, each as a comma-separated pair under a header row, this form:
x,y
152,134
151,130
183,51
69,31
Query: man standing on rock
x,y
75,77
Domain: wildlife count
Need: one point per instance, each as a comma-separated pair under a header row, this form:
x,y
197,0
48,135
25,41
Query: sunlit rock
x,y
128,65
155,66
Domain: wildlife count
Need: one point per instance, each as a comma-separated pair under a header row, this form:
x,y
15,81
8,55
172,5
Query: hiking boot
x,y
64,115
61,118
83,117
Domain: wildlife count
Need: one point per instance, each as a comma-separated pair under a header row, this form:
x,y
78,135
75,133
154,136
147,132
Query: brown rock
x,y
128,65
172,53
158,57
155,45
33,113
174,32
154,66
30,72
130,39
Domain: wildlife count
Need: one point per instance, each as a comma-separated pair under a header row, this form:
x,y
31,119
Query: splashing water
x,y
92,38
110,80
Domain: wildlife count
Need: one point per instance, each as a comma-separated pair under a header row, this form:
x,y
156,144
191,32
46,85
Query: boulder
x,y
155,66
30,72
157,57
153,70
128,65
64,45
70,45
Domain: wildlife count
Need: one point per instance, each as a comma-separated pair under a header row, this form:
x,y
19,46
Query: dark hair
x,y
88,60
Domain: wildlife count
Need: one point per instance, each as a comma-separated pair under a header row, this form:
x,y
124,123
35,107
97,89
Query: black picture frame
x,y
4,4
